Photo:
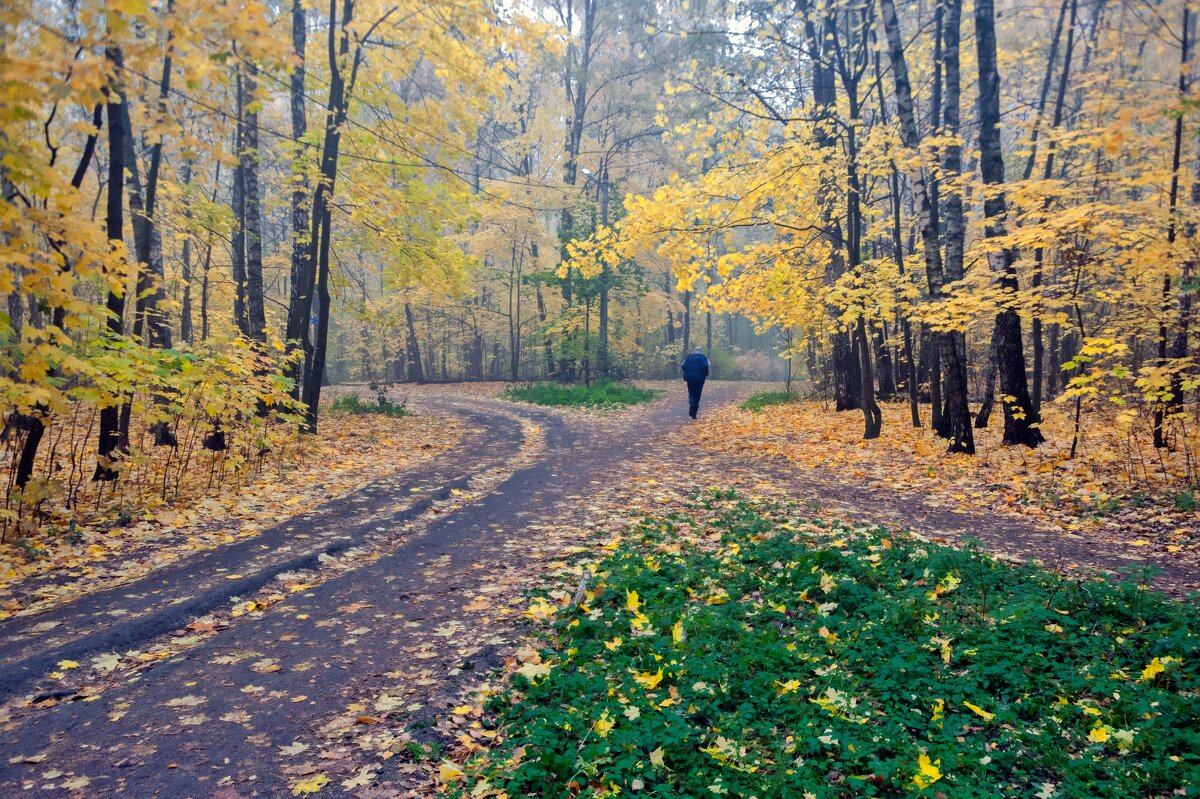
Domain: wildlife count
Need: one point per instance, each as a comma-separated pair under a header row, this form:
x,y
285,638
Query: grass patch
x,y
765,399
740,651
601,394
352,403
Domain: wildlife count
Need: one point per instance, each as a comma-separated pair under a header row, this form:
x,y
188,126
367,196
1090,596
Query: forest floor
x,y
1119,507
332,651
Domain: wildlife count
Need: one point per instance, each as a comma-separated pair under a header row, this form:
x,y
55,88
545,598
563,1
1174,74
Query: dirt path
x,y
227,711
366,617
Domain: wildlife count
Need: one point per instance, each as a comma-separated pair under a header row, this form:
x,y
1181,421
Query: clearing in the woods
x,y
348,646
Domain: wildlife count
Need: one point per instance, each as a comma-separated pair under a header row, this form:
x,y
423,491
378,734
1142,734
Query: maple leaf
x,y
977,710
540,610
632,603
311,784
362,779
678,634
67,664
927,771
449,772
648,680
604,725
1156,667
534,671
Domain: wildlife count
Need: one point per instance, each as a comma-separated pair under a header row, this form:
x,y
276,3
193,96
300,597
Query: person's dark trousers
x,y
694,389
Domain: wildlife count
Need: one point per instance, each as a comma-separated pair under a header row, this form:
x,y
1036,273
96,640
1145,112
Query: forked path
x,y
400,599
232,713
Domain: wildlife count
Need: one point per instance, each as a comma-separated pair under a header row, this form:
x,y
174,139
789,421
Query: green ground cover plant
x,y
766,399
601,394
352,403
734,649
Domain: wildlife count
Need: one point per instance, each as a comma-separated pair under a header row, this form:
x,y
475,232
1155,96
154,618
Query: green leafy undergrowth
x,y
734,650
351,403
765,399
601,394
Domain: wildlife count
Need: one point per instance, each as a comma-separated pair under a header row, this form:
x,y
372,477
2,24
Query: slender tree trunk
x,y
412,347
687,323
341,89
186,332
35,423
956,415
883,357
1054,371
602,346
1187,287
954,421
1165,310
547,345
847,374
256,319
872,418
989,387
575,83
109,429
514,314
302,272
897,244
238,201
820,40
1035,330
1021,420
204,329
1044,92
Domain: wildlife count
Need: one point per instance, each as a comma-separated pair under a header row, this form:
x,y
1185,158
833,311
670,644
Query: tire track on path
x,y
166,599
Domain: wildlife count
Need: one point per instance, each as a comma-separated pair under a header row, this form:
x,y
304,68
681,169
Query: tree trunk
x,y
602,345
1187,287
847,374
883,357
1021,420
35,423
575,84
547,345
238,202
412,348
872,418
302,271
687,323
989,388
909,373
256,319
1038,256
1169,401
952,419
337,110
186,332
109,430
956,414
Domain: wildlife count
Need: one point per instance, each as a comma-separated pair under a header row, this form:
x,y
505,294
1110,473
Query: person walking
x,y
695,372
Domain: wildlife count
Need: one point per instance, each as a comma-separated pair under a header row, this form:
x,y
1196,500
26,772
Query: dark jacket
x,y
695,367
